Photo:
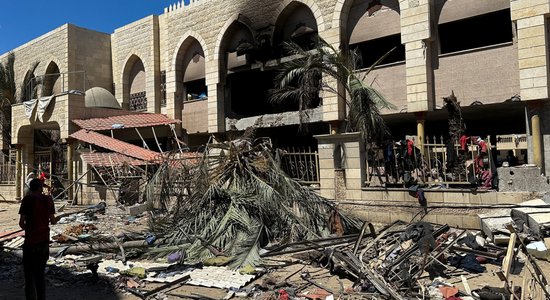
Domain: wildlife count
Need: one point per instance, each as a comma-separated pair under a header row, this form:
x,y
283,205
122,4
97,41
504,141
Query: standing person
x,y
37,212
28,179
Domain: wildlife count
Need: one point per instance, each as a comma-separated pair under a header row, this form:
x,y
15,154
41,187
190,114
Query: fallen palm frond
x,y
234,200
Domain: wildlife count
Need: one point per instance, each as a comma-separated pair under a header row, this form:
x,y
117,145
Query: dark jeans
x,y
35,258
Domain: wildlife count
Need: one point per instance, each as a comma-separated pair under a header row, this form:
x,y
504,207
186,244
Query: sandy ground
x,y
65,285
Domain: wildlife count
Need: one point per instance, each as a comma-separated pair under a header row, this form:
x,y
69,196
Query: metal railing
x,y
301,164
7,173
44,84
400,163
511,142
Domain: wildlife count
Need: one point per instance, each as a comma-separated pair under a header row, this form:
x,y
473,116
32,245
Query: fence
x,y
301,164
7,173
403,162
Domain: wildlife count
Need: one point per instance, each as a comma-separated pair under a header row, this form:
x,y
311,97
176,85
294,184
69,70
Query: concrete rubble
x,y
396,261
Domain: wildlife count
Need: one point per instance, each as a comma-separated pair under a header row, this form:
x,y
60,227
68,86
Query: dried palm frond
x,y
233,201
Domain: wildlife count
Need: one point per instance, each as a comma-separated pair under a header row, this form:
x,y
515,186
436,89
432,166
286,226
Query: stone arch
x,y
227,41
134,83
189,65
292,12
28,86
234,18
52,80
185,38
316,11
341,15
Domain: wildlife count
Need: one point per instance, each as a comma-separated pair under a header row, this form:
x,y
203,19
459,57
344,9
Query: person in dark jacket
x,y
37,212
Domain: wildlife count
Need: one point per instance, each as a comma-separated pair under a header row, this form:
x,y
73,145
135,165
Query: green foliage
x,y
300,80
234,200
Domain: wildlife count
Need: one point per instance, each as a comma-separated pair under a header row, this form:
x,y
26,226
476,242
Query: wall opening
x,y
480,31
295,24
51,81
193,73
370,51
135,91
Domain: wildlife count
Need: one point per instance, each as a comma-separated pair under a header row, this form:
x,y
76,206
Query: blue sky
x,y
24,20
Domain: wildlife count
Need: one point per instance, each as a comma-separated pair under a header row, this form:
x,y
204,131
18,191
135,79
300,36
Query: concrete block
x,y
471,222
456,197
137,209
393,195
495,221
379,217
372,195
400,216
451,220
537,219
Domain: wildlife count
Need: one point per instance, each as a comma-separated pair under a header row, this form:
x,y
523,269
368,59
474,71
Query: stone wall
x,y
489,75
137,40
90,51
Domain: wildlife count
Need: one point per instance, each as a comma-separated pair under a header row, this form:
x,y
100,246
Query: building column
x,y
537,139
532,36
18,177
420,136
70,167
416,35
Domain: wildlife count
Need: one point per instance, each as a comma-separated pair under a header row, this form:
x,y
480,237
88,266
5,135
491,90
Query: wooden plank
x,y
509,258
466,285
523,285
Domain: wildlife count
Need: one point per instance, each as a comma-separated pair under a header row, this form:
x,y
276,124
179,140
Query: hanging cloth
x,y
43,104
29,107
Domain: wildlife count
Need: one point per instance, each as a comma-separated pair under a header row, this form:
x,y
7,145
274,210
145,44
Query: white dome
x,y
100,97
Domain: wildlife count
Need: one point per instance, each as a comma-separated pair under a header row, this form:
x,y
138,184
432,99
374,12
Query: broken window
x,y
196,90
249,93
296,24
371,51
475,32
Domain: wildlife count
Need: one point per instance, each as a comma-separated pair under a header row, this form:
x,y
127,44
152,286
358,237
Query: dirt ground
x,y
63,284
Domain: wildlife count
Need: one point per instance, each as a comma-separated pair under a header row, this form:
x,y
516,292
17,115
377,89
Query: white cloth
x,y
43,104
29,107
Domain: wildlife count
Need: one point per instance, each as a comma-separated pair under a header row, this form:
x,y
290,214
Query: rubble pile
x,y
234,201
231,224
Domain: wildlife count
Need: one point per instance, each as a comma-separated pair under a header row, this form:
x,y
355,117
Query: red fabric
x,y
410,145
283,295
37,209
483,146
463,142
448,291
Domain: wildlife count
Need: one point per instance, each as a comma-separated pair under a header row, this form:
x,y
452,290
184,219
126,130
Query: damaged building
x,y
171,82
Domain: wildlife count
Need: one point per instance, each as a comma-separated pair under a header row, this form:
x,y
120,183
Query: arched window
x,y
52,81
134,82
297,24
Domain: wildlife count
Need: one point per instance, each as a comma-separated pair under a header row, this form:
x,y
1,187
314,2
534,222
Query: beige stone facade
x,y
184,54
